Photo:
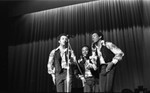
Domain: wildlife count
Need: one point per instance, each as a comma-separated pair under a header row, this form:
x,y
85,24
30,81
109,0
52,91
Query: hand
x,y
80,59
50,71
81,77
53,78
109,66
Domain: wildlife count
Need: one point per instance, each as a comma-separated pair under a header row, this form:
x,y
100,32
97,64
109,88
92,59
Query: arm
x,y
118,55
117,51
83,79
81,75
50,66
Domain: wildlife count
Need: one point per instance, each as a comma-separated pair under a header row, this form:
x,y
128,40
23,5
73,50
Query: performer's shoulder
x,y
108,43
54,50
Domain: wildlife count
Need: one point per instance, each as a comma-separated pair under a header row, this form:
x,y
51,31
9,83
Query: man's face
x,y
95,37
85,51
63,40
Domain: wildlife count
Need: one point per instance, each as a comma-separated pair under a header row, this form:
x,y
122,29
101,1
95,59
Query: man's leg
x,y
96,85
60,79
102,79
110,79
60,86
70,84
87,87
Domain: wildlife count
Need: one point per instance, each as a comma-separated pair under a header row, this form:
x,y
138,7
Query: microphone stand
x,y
68,66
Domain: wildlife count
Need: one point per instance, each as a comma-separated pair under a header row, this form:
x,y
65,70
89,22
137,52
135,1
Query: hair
x,y
63,34
86,46
99,33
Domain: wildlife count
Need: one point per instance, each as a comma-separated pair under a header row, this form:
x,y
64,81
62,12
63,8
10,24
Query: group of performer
x,y
97,63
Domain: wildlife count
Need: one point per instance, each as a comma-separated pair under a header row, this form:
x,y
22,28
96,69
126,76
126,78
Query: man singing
x,y
87,64
57,64
108,55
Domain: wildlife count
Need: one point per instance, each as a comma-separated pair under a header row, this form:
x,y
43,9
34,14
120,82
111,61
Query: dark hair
x,y
99,33
63,34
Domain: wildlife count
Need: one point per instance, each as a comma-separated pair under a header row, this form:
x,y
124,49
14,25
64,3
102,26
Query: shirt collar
x,y
61,48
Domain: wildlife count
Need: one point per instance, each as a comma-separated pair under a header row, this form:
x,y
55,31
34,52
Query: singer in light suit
x,y
108,56
57,64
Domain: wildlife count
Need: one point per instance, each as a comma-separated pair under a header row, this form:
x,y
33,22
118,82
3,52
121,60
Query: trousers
x,y
106,79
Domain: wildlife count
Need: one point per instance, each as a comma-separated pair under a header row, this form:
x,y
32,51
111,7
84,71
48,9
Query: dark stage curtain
x,y
33,36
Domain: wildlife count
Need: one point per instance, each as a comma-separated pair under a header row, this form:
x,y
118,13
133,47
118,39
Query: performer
x,y
87,64
108,55
57,64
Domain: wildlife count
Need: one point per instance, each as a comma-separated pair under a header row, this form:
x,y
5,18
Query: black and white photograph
x,y
76,46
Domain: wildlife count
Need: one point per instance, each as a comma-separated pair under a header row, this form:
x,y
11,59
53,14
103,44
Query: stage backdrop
x,y
33,36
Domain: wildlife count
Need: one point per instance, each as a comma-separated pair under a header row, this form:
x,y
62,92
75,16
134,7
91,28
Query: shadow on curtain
x,y
33,36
